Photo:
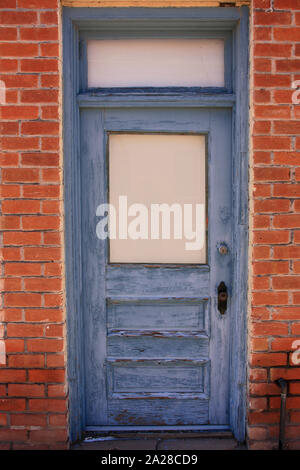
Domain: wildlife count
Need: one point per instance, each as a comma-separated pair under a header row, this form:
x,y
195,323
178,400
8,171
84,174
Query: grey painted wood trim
x,y
72,231
117,100
89,16
74,20
240,276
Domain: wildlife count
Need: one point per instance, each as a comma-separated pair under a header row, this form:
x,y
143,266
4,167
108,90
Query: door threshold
x,y
138,432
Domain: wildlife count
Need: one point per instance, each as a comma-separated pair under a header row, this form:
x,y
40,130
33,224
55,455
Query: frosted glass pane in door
x,y
166,174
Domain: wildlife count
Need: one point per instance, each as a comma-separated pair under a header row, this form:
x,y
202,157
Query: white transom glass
x,y
155,63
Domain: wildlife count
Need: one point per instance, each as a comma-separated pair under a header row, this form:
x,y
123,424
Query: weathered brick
x,y
26,361
26,390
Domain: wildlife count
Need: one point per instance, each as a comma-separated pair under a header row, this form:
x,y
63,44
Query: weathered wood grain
x,y
151,377
146,314
157,347
158,412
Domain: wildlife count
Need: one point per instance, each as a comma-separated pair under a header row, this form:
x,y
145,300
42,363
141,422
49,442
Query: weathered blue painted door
x,y
156,345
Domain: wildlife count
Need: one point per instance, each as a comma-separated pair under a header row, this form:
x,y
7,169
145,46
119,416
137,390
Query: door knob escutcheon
x,y
222,297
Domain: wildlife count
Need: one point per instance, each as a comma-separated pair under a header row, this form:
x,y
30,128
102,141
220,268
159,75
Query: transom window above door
x,y
156,59
155,63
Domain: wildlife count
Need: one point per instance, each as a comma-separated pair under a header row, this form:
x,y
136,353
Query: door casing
x,y
176,21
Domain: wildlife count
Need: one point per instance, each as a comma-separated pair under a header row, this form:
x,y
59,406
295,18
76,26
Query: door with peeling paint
x,y
156,338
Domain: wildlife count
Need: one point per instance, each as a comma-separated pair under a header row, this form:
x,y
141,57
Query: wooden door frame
x,y
77,21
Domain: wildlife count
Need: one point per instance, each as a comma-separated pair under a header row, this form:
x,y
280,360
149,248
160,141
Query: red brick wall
x,y
275,313
33,401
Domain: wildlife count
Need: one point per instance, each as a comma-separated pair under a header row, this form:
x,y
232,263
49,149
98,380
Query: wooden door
x,y
156,346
